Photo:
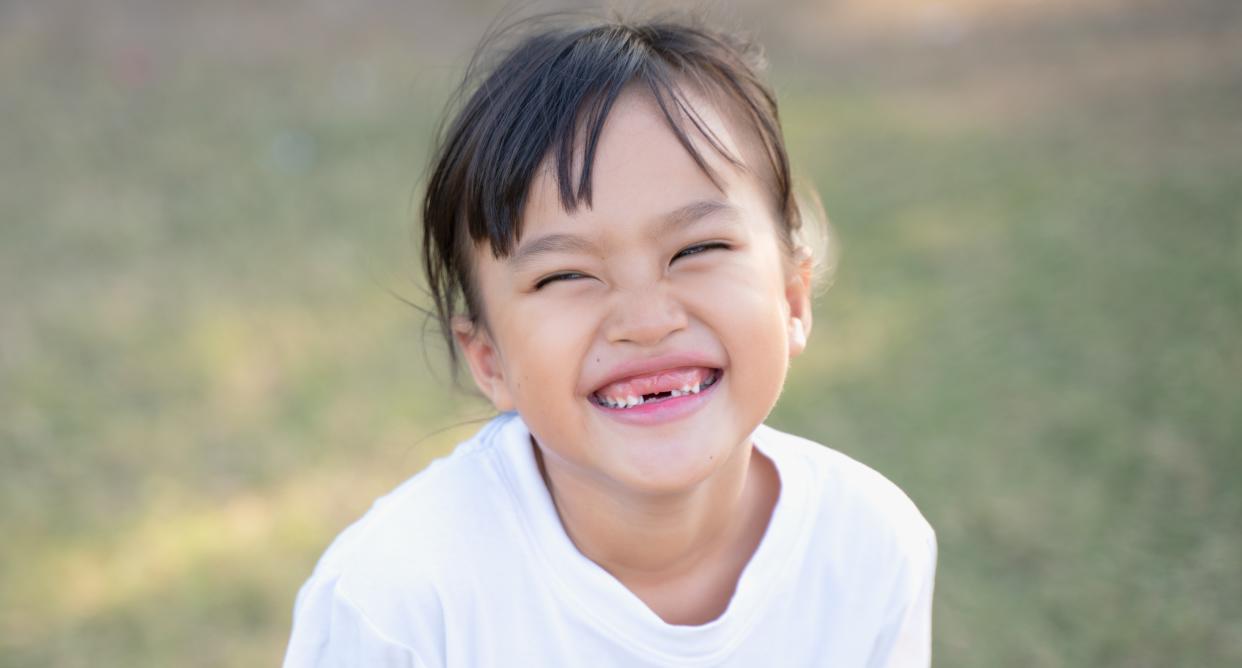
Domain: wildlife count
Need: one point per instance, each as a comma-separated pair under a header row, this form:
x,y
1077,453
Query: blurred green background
x,y
208,366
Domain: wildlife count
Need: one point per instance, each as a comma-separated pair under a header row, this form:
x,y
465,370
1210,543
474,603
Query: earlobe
x,y
484,360
798,297
797,337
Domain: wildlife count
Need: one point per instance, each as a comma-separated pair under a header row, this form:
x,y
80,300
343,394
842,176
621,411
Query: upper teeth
x,y
632,400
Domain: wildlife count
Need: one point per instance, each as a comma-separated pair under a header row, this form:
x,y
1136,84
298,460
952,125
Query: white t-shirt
x,y
467,564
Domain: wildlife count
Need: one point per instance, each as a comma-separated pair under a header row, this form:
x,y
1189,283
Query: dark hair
x,y
550,95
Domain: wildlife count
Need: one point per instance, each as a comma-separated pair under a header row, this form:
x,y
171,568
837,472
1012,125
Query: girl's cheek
x,y
731,288
561,331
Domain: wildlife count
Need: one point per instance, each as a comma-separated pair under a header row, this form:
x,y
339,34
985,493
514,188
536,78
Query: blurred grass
x,y
206,368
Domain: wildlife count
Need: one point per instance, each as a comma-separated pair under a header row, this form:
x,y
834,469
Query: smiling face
x,y
600,325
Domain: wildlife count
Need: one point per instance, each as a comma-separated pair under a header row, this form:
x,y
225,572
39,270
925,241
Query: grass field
x,y
208,368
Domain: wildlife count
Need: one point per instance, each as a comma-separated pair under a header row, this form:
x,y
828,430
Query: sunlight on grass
x,y
848,336
178,535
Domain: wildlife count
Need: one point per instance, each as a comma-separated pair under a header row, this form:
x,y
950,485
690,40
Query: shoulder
x,y
852,501
387,575
868,546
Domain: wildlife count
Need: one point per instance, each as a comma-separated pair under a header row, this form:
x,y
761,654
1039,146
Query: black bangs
x,y
548,97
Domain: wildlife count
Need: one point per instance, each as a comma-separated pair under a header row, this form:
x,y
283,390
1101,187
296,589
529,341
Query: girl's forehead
x,y
641,166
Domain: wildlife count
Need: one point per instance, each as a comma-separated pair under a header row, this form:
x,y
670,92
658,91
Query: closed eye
x,y
700,248
562,276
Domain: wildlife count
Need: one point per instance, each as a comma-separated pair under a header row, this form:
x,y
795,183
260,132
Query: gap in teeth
x,y
633,400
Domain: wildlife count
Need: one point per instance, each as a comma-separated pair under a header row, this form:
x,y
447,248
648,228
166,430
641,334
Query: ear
x,y
798,298
483,358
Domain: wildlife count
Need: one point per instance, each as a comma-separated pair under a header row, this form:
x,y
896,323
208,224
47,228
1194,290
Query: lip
x,y
665,410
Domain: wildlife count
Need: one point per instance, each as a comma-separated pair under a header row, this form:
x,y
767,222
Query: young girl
x,y
613,246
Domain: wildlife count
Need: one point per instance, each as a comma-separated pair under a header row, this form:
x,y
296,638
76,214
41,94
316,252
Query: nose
x,y
645,316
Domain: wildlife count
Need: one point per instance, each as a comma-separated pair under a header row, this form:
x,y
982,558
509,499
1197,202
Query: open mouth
x,y
659,388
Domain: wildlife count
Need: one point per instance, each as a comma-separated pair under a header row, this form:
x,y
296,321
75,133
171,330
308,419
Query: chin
x,y
671,468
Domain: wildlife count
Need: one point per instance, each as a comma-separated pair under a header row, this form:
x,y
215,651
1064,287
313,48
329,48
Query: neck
x,y
694,542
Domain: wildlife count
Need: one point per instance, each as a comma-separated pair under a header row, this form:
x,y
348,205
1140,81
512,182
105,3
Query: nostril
x,y
646,320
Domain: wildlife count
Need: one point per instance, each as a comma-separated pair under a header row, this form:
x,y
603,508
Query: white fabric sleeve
x,y
906,641
329,631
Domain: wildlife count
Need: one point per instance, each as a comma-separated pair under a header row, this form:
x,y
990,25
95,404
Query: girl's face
x,y
664,284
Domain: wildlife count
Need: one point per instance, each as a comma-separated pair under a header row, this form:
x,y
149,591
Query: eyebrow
x,y
572,243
